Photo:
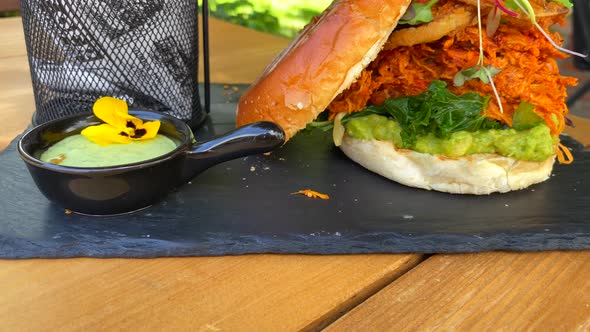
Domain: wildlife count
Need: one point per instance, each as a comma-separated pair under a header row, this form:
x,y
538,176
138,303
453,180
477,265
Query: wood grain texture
x,y
581,131
12,37
496,291
260,292
17,103
238,54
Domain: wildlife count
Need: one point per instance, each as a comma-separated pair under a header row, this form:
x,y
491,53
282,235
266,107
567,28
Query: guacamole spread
x,y
78,151
533,144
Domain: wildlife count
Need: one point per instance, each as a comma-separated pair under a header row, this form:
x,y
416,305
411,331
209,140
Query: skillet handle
x,y
254,138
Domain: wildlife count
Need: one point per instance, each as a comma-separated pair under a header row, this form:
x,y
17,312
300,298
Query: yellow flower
x,y
120,127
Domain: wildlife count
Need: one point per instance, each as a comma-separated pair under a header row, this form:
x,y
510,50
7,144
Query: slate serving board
x,y
245,206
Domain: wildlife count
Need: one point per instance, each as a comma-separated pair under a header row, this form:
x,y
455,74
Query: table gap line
x,y
363,295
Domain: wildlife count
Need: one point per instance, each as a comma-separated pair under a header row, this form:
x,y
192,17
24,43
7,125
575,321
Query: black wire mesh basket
x,y
143,51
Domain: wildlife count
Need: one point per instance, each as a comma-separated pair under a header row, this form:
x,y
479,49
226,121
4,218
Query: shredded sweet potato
x,y
564,155
311,194
529,74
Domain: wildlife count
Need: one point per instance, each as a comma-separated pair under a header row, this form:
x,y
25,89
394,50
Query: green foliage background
x,y
9,14
284,18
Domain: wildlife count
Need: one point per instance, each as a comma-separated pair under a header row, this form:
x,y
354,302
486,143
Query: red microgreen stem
x,y
504,9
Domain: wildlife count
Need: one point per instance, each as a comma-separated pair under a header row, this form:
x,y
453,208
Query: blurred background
x,y
283,18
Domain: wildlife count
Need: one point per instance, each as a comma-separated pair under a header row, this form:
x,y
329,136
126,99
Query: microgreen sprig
x,y
526,7
485,74
480,61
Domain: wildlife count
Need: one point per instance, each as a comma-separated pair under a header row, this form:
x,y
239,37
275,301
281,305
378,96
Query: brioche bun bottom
x,y
478,174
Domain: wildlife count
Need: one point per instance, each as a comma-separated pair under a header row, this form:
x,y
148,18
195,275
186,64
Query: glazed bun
x,y
326,58
329,55
475,174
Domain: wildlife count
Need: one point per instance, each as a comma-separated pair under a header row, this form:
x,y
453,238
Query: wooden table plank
x,y
17,103
12,37
581,131
545,291
261,292
235,59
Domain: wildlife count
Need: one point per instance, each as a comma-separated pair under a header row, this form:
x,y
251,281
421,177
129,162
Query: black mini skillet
x,y
126,188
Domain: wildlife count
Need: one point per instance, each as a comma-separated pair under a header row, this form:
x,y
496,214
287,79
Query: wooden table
x,y
487,291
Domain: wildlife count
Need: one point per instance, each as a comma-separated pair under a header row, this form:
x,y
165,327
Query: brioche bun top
x,y
323,60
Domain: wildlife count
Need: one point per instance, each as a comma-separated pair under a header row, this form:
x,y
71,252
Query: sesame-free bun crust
x,y
475,174
326,58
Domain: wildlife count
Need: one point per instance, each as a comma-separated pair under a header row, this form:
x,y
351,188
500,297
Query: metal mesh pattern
x,y
142,51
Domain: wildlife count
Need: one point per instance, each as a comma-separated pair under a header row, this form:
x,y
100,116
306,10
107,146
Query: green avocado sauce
x,y
533,144
78,151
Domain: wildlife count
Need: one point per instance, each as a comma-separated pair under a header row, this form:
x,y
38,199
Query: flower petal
x,y
147,130
132,123
105,134
114,112
120,127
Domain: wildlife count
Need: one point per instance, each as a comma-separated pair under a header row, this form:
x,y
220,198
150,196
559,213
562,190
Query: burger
x,y
459,96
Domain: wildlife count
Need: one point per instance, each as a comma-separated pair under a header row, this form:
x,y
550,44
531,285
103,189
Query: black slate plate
x,y
245,206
